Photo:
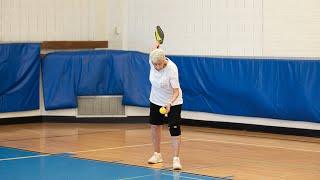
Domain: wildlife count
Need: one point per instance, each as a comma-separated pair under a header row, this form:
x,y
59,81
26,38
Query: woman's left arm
x,y
174,97
174,82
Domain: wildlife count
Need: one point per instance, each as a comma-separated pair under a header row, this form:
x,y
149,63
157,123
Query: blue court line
x,y
15,166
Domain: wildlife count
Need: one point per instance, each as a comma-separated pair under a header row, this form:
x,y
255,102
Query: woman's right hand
x,y
156,45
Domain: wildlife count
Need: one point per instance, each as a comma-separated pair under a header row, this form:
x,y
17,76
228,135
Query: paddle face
x,y
159,35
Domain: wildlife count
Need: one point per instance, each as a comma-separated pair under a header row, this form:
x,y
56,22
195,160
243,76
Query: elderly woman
x,y
165,92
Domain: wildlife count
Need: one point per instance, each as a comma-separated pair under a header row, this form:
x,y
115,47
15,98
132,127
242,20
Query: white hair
x,y
157,55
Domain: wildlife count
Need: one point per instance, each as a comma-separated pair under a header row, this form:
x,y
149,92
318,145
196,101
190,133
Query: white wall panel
x,y
292,28
39,20
198,27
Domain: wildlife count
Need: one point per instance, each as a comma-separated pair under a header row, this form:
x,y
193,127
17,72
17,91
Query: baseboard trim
x,y
73,119
20,120
253,128
145,119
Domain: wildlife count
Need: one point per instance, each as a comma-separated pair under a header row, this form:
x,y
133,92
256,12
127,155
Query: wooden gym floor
x,y
239,155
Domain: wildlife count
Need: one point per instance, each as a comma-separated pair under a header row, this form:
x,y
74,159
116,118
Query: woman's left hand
x,y
168,106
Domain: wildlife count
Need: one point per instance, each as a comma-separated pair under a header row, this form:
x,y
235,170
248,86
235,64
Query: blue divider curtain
x,y
19,76
270,88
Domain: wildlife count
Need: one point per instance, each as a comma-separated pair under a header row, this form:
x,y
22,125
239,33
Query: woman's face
x,y
160,64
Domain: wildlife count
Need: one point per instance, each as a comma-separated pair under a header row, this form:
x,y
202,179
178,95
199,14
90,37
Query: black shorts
x,y
173,119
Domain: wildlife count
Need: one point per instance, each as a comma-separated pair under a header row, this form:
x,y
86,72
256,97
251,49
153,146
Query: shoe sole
x,y
155,162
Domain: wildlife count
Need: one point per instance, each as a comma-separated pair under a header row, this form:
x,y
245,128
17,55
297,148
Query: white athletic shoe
x,y
155,158
176,164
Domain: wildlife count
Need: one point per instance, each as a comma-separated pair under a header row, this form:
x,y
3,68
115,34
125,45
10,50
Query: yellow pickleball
x,y
162,110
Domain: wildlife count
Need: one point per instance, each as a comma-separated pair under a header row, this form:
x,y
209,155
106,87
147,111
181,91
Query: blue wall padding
x,y
270,88
59,82
67,75
136,83
19,76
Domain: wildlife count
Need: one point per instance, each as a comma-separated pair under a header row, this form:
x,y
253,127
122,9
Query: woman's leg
x,y
156,137
156,121
174,122
176,141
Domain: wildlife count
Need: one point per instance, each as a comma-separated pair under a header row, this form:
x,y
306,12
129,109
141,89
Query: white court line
x,y
166,142
136,177
111,148
121,147
74,152
256,145
25,157
178,176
